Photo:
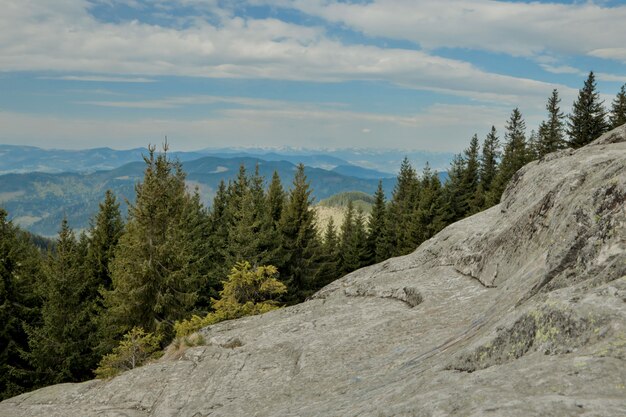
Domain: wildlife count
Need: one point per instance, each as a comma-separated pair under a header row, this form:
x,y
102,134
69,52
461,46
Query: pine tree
x,y
348,252
551,136
588,118
618,109
20,270
532,149
471,176
449,207
489,160
217,241
105,231
403,234
376,242
299,240
427,207
159,262
275,199
62,347
329,259
515,154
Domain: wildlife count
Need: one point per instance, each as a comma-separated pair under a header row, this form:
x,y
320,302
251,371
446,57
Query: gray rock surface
x,y
517,311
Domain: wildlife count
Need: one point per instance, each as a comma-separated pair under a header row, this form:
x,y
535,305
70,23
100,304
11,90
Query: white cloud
x,y
98,78
178,102
64,37
515,28
439,128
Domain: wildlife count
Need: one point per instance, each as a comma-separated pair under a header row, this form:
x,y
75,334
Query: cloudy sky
x,y
410,74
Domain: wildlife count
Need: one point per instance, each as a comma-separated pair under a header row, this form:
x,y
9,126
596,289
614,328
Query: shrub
x,y
135,348
246,292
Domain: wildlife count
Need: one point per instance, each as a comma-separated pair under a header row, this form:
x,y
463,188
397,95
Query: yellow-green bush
x,y
246,292
135,348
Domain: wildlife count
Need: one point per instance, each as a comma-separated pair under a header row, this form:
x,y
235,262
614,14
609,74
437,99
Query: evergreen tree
x,y
105,231
159,262
403,235
533,146
349,253
618,110
551,136
449,206
217,241
275,199
588,118
468,200
515,155
329,259
299,241
376,242
247,224
62,347
489,160
427,207
20,270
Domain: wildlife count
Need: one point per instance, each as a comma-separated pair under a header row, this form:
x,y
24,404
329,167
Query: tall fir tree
x,y
62,348
551,135
20,271
489,160
348,252
470,201
449,207
430,195
514,157
275,199
299,240
618,109
402,233
159,262
329,260
376,243
104,234
588,118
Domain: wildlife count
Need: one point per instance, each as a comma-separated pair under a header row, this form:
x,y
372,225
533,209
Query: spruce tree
x,y
403,234
329,260
159,262
551,136
105,231
515,154
348,251
588,118
489,160
299,240
275,199
430,191
62,347
376,242
20,271
450,207
618,109
468,198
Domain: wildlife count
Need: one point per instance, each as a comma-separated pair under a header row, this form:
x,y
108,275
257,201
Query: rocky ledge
x,y
519,310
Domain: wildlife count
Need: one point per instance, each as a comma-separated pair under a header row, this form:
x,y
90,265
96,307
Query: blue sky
x,y
408,74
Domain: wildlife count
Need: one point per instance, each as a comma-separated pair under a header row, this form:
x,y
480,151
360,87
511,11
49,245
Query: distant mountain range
x,y
39,201
41,186
361,163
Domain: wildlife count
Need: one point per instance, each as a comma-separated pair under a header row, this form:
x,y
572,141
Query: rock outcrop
x,y
519,310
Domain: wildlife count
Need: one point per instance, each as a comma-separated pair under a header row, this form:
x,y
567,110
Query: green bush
x,y
135,348
246,292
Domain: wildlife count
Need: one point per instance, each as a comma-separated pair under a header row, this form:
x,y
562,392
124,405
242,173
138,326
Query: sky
x,y
316,74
